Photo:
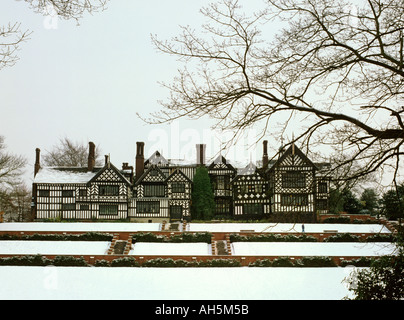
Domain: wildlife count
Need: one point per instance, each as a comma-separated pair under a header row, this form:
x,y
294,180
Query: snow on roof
x,y
157,158
249,169
63,175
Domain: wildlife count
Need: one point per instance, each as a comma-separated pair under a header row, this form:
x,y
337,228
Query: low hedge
x,y
360,262
337,220
124,262
288,262
343,237
88,236
28,260
183,237
272,238
38,260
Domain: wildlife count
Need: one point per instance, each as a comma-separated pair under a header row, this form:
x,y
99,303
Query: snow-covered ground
x,y
193,227
172,283
166,249
79,226
288,227
312,249
54,247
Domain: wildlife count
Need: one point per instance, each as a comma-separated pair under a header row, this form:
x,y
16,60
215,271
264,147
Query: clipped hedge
x,y
88,236
315,262
69,261
288,262
343,237
28,260
381,238
337,220
38,260
168,262
183,237
271,237
360,262
124,262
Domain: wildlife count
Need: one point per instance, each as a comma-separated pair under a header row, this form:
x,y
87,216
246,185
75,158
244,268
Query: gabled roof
x,y
156,159
294,153
146,173
178,171
110,167
250,170
221,163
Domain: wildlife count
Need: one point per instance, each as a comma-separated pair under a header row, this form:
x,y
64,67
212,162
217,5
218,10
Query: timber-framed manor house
x,y
290,188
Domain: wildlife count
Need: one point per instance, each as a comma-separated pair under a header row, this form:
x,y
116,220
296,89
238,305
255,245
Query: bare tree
x,y
11,36
68,153
72,9
11,167
334,66
12,192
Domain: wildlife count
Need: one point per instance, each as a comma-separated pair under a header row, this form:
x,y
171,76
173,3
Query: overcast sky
x,y
87,82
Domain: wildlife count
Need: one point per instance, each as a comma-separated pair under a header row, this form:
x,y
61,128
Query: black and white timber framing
x,y
160,189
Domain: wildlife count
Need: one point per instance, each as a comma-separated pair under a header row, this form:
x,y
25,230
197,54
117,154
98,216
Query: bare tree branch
x,y
340,71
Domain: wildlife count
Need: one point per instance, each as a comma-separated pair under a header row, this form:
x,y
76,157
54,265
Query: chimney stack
x,y
265,160
37,161
139,169
91,156
200,154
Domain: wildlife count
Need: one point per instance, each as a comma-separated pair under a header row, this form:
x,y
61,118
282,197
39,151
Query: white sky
x,y
87,82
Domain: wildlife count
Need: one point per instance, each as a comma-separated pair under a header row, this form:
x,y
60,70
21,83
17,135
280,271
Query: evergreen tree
x,y
351,203
369,200
203,203
384,280
392,203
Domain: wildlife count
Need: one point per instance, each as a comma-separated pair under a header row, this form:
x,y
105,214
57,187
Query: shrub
x,y
261,263
148,237
272,238
316,262
282,262
361,262
220,263
343,237
102,263
337,220
380,238
124,262
28,260
89,236
69,261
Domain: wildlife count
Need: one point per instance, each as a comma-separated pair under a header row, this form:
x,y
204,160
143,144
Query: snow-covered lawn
x,y
211,227
165,249
312,248
54,247
79,226
172,283
288,227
